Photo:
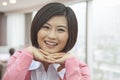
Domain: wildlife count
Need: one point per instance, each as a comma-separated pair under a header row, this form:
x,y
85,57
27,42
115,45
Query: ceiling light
x,y
4,3
12,1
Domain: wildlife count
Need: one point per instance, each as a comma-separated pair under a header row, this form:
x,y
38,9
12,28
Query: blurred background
x,y
98,42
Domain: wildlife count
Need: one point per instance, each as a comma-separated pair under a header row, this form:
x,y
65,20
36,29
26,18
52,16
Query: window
x,y
105,39
79,48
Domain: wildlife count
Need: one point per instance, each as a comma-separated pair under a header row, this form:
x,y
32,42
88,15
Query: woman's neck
x,y
46,65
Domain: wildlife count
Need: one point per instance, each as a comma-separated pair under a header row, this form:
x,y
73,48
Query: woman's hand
x,y
40,55
58,58
61,60
43,56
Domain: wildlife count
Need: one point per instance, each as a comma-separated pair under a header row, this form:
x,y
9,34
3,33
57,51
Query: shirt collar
x,y
61,73
35,65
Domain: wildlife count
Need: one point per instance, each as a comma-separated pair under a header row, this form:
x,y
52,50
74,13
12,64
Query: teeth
x,y
51,43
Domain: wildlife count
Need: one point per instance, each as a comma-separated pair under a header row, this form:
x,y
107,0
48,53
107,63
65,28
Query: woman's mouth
x,y
50,43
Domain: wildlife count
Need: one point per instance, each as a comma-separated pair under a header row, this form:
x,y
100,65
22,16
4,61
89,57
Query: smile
x,y
50,43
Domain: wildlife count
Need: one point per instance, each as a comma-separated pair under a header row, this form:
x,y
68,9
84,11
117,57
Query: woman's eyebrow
x,y
64,26
61,25
47,24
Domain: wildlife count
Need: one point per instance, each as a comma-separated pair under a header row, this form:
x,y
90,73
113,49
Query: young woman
x,y
53,34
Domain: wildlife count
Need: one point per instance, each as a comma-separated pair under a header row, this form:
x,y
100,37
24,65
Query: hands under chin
x,y
43,56
59,58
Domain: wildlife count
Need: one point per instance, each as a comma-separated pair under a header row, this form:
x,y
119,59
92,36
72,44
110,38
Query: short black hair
x,y
50,10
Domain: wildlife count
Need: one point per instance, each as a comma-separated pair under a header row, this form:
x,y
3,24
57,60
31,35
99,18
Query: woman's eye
x,y
46,27
61,30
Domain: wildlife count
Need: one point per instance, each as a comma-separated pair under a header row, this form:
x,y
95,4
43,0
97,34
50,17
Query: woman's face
x,y
53,35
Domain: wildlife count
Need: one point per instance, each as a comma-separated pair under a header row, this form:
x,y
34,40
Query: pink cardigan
x,y
17,68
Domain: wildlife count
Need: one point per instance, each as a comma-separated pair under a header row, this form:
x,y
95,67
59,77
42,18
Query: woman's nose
x,y
52,35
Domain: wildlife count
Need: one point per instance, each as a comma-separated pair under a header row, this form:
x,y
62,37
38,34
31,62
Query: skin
x,y
53,35
52,38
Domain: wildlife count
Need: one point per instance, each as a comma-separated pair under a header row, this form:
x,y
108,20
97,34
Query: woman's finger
x,y
45,53
48,57
49,61
62,66
57,55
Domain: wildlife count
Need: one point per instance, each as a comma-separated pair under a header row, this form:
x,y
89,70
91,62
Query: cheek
x,y
40,36
64,38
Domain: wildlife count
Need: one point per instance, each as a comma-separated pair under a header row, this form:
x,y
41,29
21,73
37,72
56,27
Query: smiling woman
x,y
53,33
50,36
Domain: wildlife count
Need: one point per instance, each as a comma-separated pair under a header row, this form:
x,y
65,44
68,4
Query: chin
x,y
52,51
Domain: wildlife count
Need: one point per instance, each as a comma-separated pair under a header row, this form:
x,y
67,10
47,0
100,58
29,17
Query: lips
x,y
50,43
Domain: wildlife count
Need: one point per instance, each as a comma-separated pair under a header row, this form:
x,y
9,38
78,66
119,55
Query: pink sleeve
x,y
18,65
76,70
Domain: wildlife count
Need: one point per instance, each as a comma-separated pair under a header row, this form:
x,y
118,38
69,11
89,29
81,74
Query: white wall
x,y
15,30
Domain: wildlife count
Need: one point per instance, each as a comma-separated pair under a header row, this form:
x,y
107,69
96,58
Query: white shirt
x,y
38,72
